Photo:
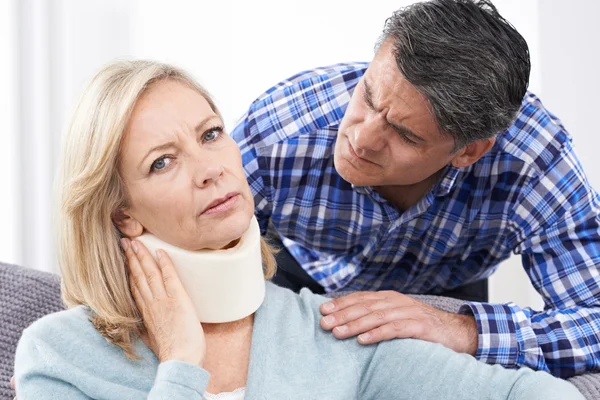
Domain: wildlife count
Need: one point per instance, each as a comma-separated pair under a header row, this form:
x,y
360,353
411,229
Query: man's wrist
x,y
470,333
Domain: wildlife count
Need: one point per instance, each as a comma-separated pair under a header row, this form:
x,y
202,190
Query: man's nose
x,y
369,137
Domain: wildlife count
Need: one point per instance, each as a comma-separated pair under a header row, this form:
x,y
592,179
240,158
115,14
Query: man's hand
x,y
378,316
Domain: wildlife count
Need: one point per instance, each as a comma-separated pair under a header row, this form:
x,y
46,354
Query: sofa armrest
x,y
25,296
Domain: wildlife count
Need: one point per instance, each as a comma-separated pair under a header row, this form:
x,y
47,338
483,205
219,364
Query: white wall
x,y
59,44
565,59
510,282
570,54
237,49
10,240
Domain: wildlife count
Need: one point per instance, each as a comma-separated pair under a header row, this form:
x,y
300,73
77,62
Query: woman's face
x,y
183,173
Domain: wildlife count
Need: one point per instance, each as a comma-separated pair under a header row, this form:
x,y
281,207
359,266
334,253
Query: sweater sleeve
x,y
413,368
41,372
178,380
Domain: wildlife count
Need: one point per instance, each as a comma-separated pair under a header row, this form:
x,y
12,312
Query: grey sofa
x,y
26,295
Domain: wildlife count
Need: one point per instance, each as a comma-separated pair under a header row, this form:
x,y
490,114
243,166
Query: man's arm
x,y
258,181
557,231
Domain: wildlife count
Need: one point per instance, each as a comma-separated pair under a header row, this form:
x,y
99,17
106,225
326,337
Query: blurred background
x,y
237,49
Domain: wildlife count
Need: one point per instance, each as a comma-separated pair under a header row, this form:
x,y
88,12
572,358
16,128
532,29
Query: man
x,y
418,173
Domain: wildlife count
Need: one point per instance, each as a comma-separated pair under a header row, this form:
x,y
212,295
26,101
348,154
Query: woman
x,y
146,152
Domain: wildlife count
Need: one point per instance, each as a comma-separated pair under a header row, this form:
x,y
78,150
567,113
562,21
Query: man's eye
x,y
406,139
160,164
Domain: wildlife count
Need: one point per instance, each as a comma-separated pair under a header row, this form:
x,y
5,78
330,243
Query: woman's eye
x,y
213,134
160,164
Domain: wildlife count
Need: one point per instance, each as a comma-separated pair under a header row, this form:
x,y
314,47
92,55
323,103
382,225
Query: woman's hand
x,y
174,331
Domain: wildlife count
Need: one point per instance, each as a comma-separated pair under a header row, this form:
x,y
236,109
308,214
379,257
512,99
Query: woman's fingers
x,y
150,271
172,284
169,316
136,274
147,279
137,297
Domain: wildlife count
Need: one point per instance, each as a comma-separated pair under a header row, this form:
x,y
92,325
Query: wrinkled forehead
x,y
393,95
167,106
166,110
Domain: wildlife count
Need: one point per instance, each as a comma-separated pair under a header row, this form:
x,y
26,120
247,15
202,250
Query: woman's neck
x,y
225,328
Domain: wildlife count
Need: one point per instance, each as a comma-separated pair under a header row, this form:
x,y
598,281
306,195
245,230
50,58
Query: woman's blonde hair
x,y
90,191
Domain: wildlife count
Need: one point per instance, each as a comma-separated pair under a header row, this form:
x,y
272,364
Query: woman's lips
x,y
222,205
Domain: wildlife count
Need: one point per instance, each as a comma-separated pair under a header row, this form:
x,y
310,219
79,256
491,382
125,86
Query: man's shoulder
x,y
306,102
537,138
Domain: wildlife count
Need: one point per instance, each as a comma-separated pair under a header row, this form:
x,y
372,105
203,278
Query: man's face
x,y
388,136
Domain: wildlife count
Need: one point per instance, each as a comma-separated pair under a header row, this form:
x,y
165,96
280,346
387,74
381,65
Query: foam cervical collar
x,y
224,285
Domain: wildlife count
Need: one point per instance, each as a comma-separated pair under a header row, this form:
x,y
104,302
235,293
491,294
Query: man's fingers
x,y
398,329
12,382
374,320
354,312
350,300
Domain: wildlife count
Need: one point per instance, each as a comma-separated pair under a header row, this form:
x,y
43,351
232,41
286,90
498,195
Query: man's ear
x,y
126,224
472,152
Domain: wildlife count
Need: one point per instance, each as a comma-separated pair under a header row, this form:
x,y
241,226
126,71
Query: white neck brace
x,y
224,285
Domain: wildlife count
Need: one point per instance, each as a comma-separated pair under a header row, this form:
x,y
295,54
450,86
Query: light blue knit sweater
x,y
62,356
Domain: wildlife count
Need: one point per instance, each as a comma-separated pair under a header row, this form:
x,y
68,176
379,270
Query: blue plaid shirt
x,y
528,195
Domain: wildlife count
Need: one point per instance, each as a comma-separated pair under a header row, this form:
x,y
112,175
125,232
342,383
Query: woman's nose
x,y
207,172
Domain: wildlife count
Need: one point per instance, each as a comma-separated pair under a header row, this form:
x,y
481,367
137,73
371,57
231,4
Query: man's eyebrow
x,y
171,144
401,129
368,94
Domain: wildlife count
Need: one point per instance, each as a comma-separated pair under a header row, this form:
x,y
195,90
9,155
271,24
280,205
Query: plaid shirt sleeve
x,y
258,181
556,229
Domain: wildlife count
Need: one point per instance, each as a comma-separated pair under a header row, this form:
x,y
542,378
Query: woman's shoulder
x,y
67,338
302,308
67,326
300,313
294,318
65,350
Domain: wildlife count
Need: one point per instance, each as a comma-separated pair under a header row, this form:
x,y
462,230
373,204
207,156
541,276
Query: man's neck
x,y
405,196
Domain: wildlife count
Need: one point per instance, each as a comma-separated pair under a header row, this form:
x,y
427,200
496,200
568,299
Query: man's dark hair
x,y
468,61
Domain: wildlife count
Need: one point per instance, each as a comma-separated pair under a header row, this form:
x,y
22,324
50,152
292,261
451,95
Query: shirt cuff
x,y
498,341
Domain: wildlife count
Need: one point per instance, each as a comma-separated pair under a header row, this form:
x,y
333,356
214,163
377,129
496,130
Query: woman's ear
x,y
126,224
472,152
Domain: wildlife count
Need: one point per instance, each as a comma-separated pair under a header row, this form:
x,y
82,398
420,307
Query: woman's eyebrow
x,y
157,148
201,124
171,144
